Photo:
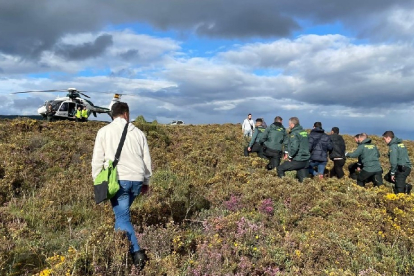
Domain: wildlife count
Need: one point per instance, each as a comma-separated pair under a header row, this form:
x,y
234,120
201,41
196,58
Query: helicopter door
x,y
63,110
72,110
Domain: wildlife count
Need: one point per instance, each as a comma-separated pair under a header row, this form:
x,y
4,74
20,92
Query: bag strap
x,y
121,144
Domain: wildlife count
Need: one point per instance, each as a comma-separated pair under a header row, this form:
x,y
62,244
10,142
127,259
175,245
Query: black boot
x,y
408,188
269,167
140,258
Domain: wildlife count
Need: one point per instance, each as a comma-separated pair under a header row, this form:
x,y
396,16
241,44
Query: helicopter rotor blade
x,y
84,94
38,91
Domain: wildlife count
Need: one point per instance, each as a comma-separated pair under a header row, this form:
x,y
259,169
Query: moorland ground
x,y
211,211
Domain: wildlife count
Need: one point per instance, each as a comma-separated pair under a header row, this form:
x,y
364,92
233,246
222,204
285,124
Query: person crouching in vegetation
x,y
134,170
337,154
254,145
400,163
297,151
273,139
357,166
319,145
369,156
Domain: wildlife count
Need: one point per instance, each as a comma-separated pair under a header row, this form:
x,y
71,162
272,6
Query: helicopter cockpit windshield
x,y
55,104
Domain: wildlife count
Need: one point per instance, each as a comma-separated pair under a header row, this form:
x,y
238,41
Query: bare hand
x,y
285,156
249,149
393,178
358,168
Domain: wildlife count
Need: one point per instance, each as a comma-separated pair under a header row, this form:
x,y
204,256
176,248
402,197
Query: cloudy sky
x,y
345,63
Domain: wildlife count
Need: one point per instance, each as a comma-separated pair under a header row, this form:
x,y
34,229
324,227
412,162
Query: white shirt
x,y
135,160
247,124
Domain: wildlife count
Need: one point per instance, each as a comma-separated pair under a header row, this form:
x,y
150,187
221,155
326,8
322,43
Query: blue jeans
x,y
121,203
321,167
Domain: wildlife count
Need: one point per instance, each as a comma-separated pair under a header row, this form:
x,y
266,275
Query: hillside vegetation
x,y
211,211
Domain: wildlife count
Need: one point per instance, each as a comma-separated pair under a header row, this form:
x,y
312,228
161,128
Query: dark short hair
x,y
119,108
278,119
259,120
335,130
389,134
317,124
249,114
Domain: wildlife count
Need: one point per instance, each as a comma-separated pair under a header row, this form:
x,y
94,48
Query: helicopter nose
x,y
41,110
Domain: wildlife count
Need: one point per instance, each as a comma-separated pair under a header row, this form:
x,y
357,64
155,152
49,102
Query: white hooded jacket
x,y
135,160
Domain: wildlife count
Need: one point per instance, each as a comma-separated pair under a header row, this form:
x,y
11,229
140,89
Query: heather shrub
x,y
210,211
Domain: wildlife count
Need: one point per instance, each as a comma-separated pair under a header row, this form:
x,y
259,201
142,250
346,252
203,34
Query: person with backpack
x,y
337,154
369,155
273,139
296,152
319,145
400,163
254,144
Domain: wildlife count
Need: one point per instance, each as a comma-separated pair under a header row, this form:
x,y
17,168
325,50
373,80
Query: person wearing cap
x,y
400,163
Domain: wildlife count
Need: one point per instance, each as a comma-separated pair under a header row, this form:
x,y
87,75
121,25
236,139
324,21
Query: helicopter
x,y
65,107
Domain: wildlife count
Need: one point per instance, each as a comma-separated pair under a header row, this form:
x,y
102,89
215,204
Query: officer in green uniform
x,y
50,113
297,151
254,145
273,139
400,163
369,156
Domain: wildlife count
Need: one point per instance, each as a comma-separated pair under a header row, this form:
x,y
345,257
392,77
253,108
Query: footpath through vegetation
x,y
211,211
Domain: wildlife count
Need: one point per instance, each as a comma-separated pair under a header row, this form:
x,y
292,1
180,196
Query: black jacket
x,y
338,150
319,145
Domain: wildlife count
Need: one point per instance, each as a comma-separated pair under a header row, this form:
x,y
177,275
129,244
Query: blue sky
x,y
348,64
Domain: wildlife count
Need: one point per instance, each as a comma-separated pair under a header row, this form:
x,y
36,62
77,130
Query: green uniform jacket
x,y
78,114
257,135
274,136
298,144
398,154
85,113
368,154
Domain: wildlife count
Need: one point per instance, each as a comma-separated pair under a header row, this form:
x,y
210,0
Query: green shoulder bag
x,y
106,183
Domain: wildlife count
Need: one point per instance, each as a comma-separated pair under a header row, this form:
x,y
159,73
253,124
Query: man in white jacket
x,y
134,170
248,126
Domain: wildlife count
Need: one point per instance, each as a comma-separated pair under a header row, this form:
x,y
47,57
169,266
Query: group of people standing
x,y
81,114
308,154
